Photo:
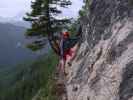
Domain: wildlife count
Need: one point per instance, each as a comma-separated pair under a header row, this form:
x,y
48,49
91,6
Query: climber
x,y
68,48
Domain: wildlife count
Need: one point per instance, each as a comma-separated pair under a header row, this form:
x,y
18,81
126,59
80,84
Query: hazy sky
x,y
17,8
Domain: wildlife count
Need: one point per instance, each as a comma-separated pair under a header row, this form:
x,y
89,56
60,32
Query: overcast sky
x,y
17,8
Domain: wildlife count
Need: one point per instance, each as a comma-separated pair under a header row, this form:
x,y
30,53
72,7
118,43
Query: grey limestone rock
x,y
103,67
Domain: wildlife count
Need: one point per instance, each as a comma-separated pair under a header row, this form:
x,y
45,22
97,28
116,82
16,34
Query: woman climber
x,y
68,48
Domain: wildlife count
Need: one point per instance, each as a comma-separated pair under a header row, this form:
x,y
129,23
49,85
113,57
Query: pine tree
x,y
44,21
85,8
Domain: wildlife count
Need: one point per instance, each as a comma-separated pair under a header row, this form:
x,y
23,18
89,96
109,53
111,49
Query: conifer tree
x,y
85,8
45,22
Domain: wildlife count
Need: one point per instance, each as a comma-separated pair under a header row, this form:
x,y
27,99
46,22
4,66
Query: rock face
x,y
103,67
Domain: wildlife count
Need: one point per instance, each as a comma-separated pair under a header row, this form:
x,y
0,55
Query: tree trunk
x,y
54,45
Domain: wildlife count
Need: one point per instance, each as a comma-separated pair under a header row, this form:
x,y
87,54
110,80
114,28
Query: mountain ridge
x,y
16,22
12,44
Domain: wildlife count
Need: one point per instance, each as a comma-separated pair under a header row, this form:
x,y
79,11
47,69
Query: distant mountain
x,y
3,19
21,23
17,22
12,45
